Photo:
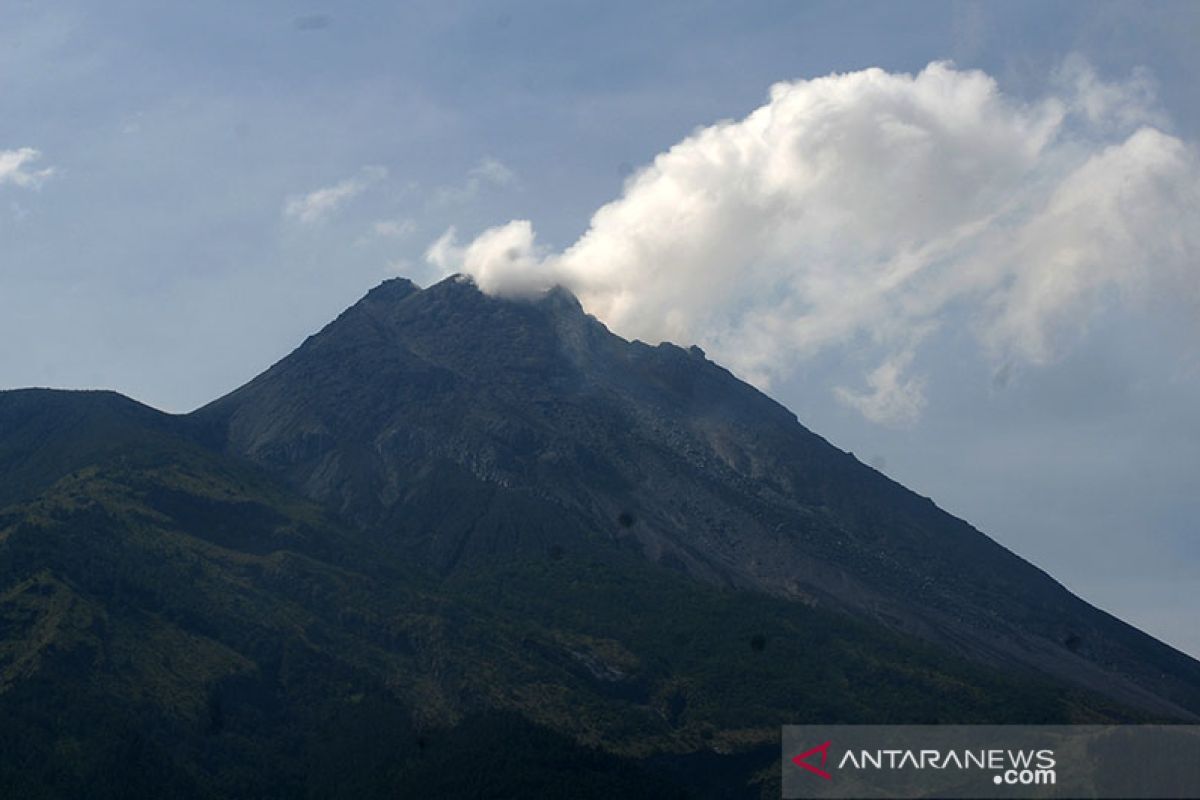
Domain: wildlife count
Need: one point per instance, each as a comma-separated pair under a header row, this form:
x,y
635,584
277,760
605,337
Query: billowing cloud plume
x,y
15,169
503,260
319,204
870,211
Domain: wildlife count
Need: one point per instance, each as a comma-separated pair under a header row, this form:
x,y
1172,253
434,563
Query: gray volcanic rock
x,y
464,429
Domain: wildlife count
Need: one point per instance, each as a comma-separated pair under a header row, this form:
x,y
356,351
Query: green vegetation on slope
x,y
175,623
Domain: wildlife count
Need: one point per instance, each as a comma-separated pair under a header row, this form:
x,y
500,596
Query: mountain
x,y
467,546
463,428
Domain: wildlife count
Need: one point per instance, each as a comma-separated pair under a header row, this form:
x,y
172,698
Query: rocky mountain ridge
x,y
553,431
450,524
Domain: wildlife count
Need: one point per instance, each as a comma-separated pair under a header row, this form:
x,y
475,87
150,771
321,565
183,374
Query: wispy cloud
x,y
319,204
492,171
892,399
394,228
15,168
489,172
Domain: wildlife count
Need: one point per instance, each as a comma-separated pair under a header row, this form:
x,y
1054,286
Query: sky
x,y
961,240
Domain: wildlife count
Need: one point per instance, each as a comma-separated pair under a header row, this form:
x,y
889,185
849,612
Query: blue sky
x,y
186,191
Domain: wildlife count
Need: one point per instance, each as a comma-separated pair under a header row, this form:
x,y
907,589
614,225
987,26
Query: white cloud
x,y
394,228
489,172
1124,221
504,259
320,204
892,400
14,168
1123,104
864,211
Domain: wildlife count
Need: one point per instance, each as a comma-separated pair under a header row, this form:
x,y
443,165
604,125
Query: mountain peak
x,y
392,290
461,289
456,325
467,429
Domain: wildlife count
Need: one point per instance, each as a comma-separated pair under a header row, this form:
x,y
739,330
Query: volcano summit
x,y
450,523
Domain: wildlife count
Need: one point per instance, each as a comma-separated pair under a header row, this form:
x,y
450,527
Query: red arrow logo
x,y
823,749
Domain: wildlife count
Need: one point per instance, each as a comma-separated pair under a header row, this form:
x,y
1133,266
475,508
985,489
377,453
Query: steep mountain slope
x,y
47,434
175,622
465,429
